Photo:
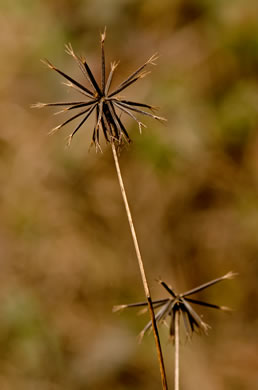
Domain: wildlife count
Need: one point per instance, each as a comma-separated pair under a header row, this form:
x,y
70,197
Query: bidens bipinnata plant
x,y
108,107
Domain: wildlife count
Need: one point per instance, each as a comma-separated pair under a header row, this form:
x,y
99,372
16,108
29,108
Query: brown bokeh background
x,y
66,252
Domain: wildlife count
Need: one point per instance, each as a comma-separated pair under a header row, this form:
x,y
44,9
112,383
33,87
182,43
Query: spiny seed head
x,y
182,304
108,106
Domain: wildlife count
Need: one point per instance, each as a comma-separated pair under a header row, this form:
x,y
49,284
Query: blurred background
x,y
66,251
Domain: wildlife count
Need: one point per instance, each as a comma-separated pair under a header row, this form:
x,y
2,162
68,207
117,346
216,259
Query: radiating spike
x,y
80,86
211,305
141,111
130,82
103,65
140,124
134,75
229,275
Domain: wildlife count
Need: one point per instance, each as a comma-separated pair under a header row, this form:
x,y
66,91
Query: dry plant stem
x,y
177,314
142,271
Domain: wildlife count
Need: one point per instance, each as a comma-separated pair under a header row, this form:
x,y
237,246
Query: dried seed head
x,y
108,106
182,304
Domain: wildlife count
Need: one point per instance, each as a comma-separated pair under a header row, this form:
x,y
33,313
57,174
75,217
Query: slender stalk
x,y
177,314
142,271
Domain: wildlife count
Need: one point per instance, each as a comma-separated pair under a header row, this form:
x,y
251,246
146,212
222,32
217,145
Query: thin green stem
x,y
142,270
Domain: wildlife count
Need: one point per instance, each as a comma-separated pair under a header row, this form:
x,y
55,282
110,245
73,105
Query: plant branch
x,y
142,271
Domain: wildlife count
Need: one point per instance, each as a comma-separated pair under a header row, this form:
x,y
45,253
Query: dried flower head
x,y
182,304
107,105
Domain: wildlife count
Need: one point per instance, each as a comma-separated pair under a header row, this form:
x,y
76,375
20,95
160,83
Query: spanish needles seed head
x,y
183,305
108,106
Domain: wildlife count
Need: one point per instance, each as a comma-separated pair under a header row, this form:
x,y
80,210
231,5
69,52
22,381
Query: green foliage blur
x,y
66,251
